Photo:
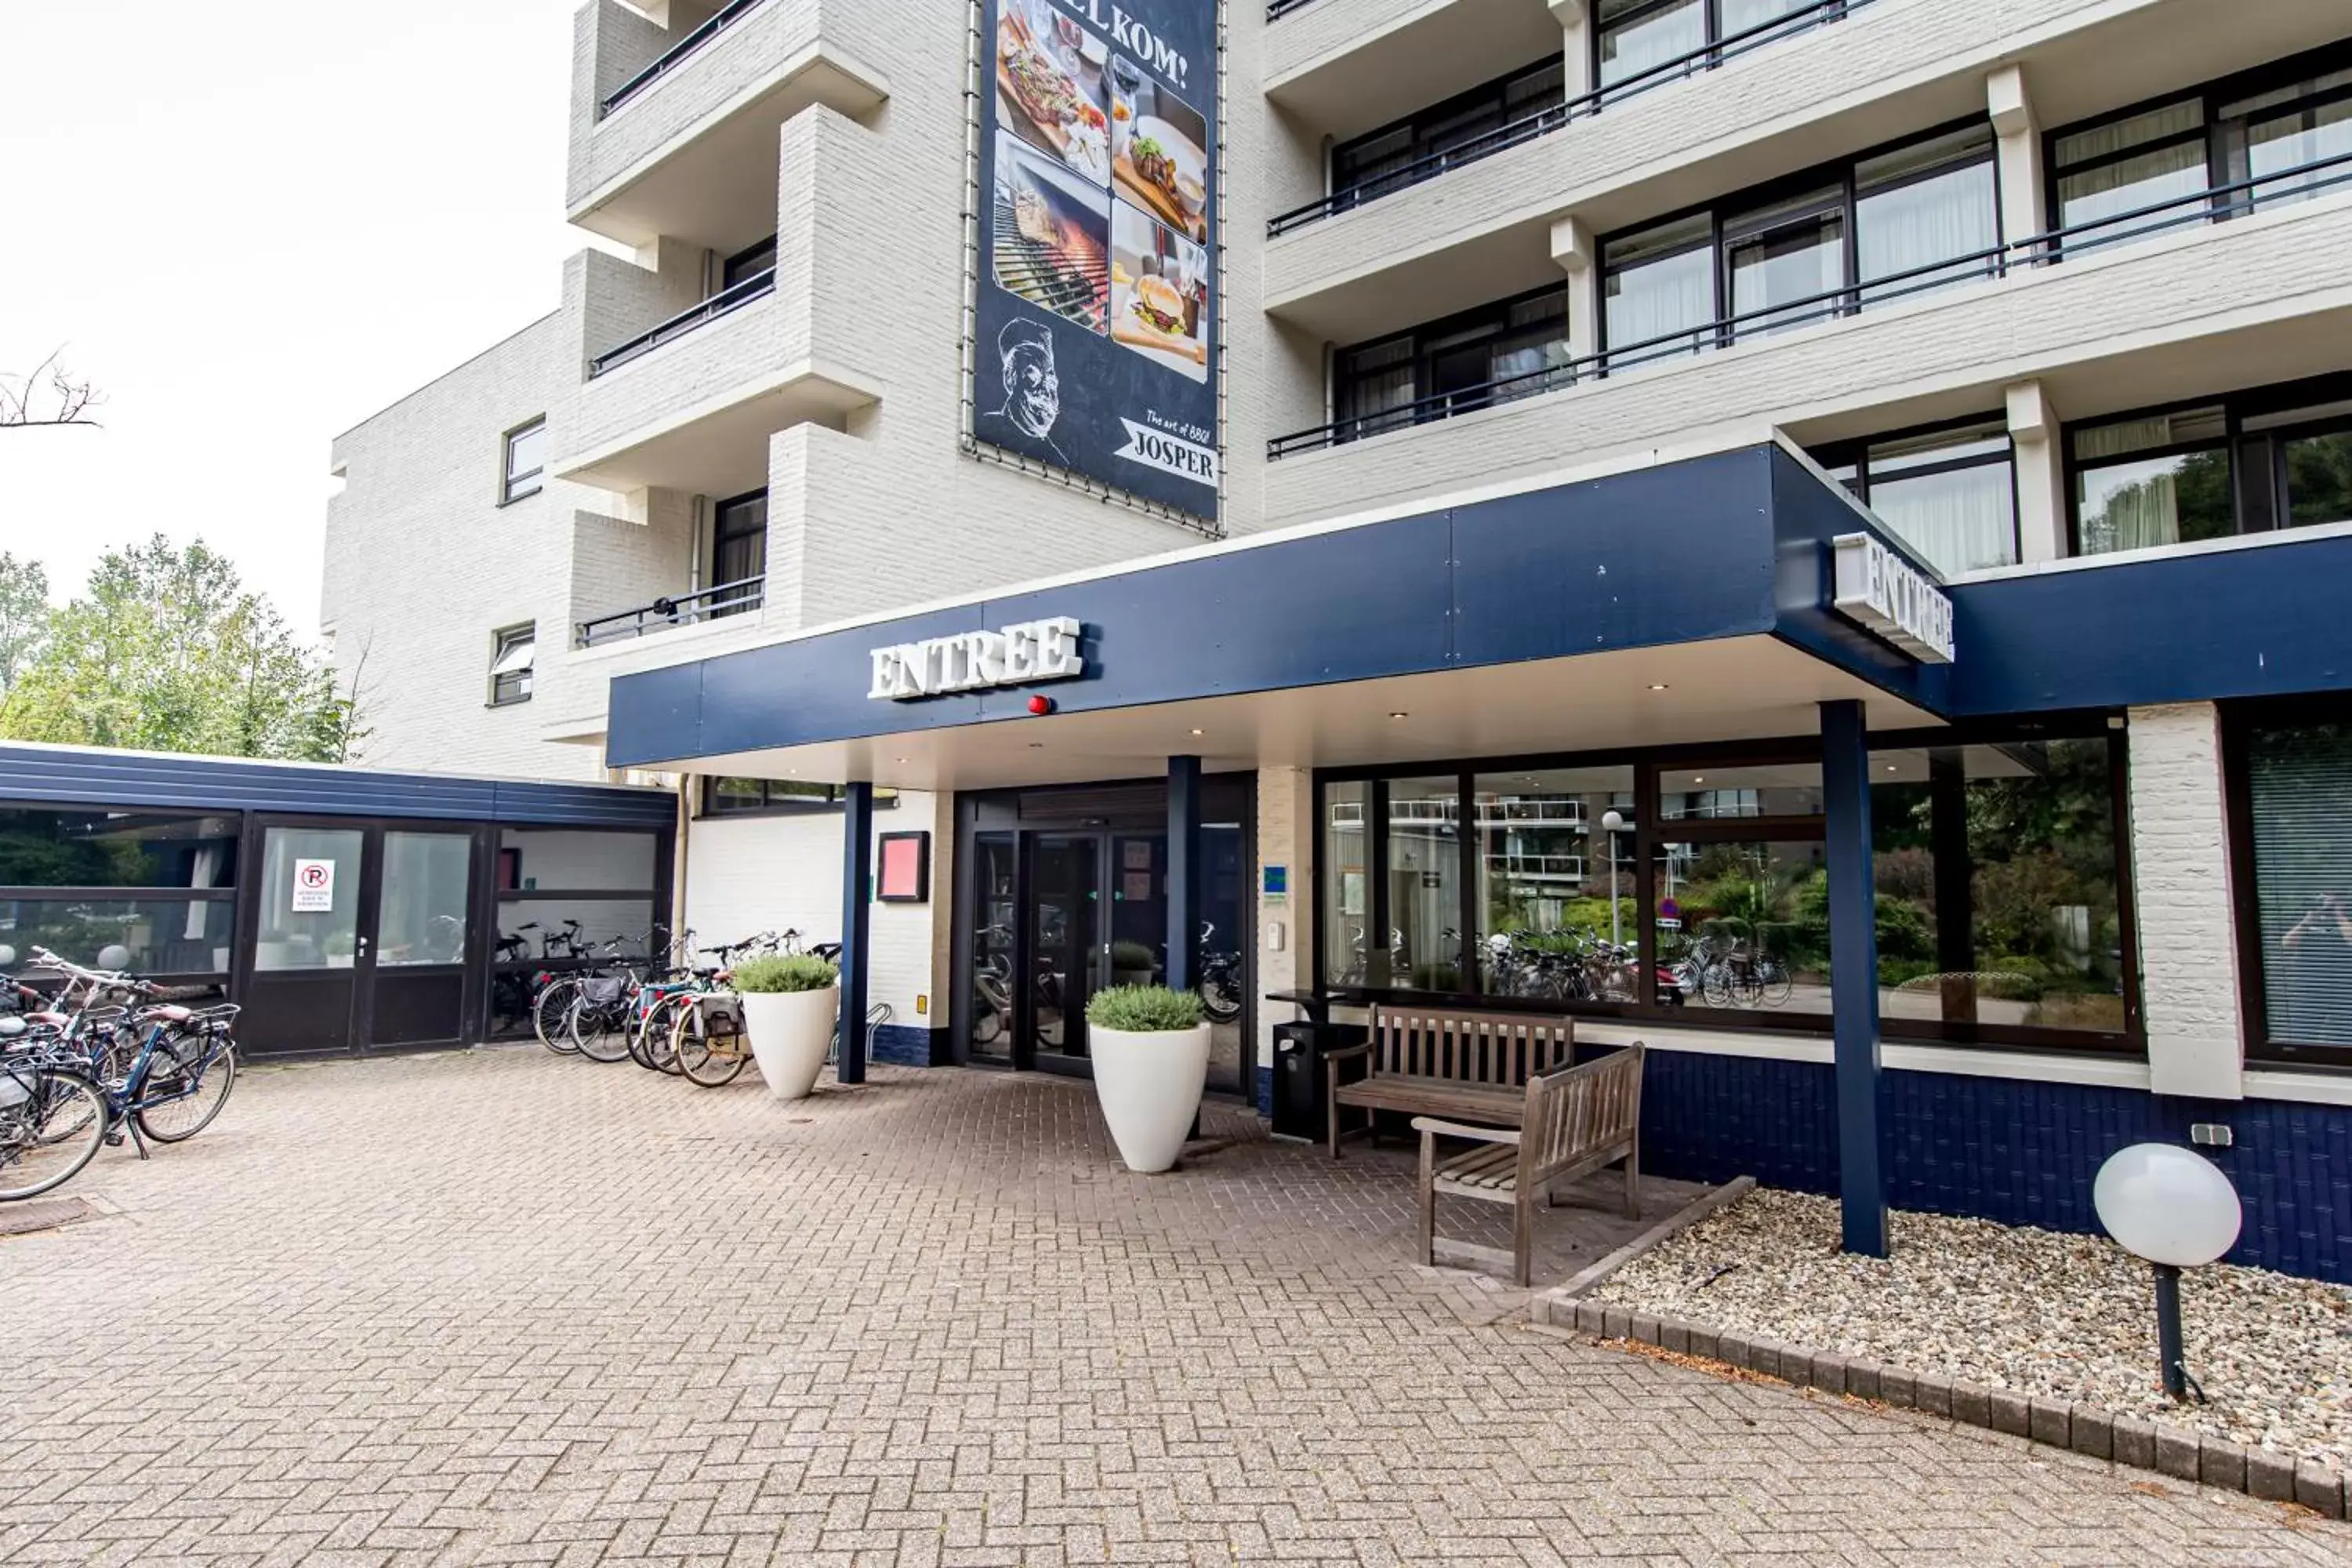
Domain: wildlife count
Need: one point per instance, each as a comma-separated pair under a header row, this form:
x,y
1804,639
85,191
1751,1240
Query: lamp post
x,y
2174,1207
1610,822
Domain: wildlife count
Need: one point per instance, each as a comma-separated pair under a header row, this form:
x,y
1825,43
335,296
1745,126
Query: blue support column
x,y
1854,974
1184,871
857,947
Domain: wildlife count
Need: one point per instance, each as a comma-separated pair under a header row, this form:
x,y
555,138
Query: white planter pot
x,y
1149,1087
791,1032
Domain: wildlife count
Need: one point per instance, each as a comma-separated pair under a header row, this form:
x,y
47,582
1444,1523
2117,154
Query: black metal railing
x,y
675,55
1543,122
2209,206
686,610
1278,9
757,285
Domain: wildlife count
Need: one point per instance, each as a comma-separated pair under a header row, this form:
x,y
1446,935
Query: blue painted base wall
x,y
911,1045
2003,1149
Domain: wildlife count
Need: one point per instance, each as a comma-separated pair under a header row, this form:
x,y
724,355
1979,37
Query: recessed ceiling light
x,y
905,759
1200,731
1400,715
1698,778
1890,767
1036,745
1658,685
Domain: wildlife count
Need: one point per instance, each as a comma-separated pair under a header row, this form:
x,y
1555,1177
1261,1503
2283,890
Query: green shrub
x,y
783,973
1131,955
1143,1010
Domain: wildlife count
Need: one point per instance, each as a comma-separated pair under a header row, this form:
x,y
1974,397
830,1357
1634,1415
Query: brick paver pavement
x,y
500,1308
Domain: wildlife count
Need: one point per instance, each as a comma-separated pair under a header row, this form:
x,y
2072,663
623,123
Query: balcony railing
x,y
1281,8
757,285
2281,187
675,55
1503,138
686,610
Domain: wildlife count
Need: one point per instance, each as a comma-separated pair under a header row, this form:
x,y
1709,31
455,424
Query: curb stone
x,y
2084,1429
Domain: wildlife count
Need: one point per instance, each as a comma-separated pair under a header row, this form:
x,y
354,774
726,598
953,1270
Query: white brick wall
x,y
2188,952
1285,837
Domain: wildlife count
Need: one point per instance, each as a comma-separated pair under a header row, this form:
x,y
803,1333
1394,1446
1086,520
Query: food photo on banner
x,y
1096,338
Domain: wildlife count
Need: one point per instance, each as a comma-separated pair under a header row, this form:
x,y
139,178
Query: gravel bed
x,y
2071,1317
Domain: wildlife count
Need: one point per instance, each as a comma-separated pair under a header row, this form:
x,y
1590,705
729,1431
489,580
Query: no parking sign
x,y
314,886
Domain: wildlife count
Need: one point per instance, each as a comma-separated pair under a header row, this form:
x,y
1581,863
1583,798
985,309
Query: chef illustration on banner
x,y
314,886
1033,393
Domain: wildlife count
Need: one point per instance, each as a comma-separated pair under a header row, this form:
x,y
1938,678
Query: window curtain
x,y
2288,143
1963,521
1629,48
1738,16
2300,784
1917,225
1658,298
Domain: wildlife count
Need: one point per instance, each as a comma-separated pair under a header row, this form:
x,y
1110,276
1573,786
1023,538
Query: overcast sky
x,y
253,225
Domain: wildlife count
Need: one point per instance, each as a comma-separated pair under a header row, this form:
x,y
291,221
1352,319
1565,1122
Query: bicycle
x,y
551,1006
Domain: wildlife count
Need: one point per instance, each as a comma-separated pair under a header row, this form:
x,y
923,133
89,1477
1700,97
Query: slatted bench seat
x,y
1446,1062
1574,1122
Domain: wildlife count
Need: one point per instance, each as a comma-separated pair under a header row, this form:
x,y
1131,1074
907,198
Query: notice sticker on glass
x,y
314,886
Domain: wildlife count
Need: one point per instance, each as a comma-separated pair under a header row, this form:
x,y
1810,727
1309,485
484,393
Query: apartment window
x,y
738,551
1893,224
1948,492
512,654
2269,126
1489,355
746,265
1467,126
745,798
1633,37
526,467
2278,458
2291,787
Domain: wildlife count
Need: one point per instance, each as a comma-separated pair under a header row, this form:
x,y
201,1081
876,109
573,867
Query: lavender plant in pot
x,y
1150,1051
790,1002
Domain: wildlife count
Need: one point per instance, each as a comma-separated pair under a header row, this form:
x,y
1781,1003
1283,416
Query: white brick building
x,y
1571,316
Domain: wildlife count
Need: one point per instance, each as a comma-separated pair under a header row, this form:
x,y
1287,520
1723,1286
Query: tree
x,y
24,616
166,651
49,397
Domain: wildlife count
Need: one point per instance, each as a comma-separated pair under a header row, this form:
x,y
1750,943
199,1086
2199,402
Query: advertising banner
x,y
1096,347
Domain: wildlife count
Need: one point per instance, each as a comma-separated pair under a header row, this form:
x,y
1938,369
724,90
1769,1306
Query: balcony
x,y
666,614
676,135
2239,283
722,303
1475,227
1342,67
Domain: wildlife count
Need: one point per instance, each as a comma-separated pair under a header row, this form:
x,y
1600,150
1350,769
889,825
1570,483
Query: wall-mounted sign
x,y
314,886
1020,655
1274,884
1094,343
903,868
1878,589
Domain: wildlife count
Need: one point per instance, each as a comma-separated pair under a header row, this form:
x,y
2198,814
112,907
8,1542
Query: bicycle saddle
x,y
169,1014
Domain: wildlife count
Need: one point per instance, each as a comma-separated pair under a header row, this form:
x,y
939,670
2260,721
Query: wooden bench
x,y
1440,1061
1574,1122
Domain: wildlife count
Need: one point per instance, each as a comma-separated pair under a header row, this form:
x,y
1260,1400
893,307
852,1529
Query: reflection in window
x,y
2161,479
421,913
1950,494
1778,789
2149,158
1555,848
1637,36
2299,786
161,936
1346,885
1783,258
1425,879
84,848
1464,362
1996,878
1745,924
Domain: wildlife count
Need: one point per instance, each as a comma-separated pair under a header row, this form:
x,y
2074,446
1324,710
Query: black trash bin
x,y
1298,1075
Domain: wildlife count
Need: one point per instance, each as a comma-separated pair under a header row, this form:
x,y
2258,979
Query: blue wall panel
x,y
2003,1149
911,1045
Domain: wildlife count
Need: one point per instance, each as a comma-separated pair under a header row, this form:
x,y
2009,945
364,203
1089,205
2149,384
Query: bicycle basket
x,y
601,992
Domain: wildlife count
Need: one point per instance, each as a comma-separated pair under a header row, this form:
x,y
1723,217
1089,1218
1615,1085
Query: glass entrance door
x,y
362,937
995,995
1067,945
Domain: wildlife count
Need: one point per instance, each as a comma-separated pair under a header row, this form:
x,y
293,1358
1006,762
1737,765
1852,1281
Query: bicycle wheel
x,y
188,1080
651,1044
551,1012
598,1030
1777,986
709,1051
32,1160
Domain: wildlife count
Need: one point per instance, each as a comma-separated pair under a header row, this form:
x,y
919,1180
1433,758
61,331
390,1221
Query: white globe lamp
x,y
1613,822
2174,1207
114,956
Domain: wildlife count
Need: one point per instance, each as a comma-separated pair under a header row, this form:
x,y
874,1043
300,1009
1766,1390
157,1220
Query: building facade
x,y
1808,533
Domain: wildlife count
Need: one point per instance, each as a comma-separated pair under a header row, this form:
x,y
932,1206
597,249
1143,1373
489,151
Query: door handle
x,y
363,947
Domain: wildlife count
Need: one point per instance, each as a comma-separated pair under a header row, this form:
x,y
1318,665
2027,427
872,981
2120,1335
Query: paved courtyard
x,y
501,1308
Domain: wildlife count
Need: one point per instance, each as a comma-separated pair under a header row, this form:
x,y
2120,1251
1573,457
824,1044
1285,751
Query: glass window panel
x,y
2319,479
2157,500
1926,205
1545,862
1960,518
1346,885
294,936
2032,936
2180,429
2146,180
1744,925
1741,16
535,929
1704,794
2310,87
422,911
578,860
2154,125
1658,284
735,794
1424,880
1648,37
1781,271
1376,386
2299,781
525,456
994,859
80,847
2269,148
159,936
760,258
